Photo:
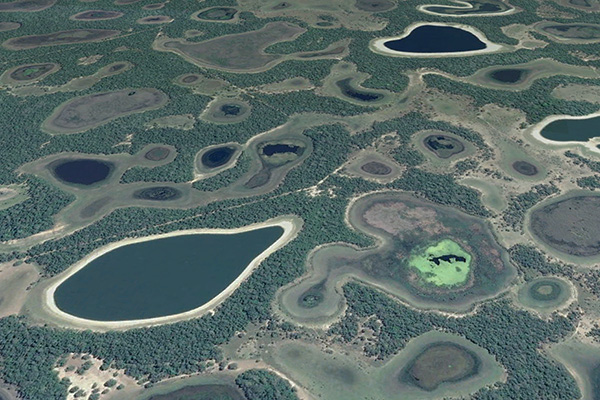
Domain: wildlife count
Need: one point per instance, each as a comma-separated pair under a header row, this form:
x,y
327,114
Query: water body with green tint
x,y
161,277
572,130
443,264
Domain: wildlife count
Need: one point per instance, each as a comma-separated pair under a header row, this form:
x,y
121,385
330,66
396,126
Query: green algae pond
x,y
161,277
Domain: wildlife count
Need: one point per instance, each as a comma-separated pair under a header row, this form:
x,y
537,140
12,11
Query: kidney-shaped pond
x,y
435,40
161,277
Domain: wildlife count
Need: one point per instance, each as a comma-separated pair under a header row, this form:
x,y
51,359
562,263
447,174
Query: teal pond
x,y
161,277
572,130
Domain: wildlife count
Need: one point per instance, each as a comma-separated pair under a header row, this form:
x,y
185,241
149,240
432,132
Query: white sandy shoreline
x,y
377,45
536,132
291,226
465,7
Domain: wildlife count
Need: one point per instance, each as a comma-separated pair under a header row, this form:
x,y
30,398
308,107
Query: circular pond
x,y
376,168
81,171
525,168
158,153
443,146
217,157
545,294
570,226
440,363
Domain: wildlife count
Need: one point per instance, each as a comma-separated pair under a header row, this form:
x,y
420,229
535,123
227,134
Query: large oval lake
x,y
81,171
572,130
161,277
436,39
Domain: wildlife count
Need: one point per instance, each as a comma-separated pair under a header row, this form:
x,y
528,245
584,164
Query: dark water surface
x,y
202,392
280,148
161,277
217,157
81,172
436,39
572,130
509,75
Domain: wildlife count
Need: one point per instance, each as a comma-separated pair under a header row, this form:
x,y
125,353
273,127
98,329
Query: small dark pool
x,y
81,172
436,39
509,75
217,157
525,168
158,193
231,109
572,130
376,168
280,148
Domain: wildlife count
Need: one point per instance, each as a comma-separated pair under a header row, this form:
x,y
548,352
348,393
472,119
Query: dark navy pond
x,y
217,157
572,130
436,39
509,75
161,277
82,171
280,148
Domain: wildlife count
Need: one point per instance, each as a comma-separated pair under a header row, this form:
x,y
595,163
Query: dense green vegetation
x,y
442,189
532,262
521,203
34,214
536,101
260,384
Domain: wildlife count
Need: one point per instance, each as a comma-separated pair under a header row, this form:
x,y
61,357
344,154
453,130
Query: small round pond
x,y
161,277
440,363
217,157
81,171
545,294
508,75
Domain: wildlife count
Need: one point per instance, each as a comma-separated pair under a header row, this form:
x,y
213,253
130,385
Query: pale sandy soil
x,y
14,282
93,376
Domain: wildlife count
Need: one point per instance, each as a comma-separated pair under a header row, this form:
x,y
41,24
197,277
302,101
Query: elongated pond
x,y
161,277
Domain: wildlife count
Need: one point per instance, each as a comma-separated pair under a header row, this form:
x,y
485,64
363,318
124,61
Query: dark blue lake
x,y
436,39
161,277
82,171
217,157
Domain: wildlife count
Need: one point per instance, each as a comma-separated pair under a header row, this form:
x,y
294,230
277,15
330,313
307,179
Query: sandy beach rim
x,y
466,7
536,132
291,226
377,45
